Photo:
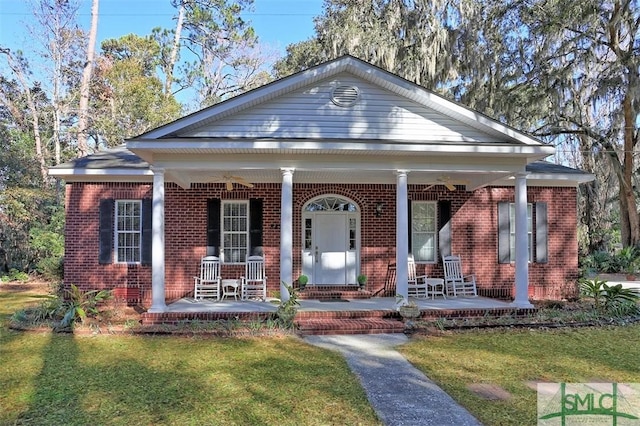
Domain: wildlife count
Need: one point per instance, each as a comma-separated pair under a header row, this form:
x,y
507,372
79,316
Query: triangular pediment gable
x,y
304,106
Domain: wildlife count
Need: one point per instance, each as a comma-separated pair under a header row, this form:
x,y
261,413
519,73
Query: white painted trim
x,y
286,232
157,255
402,236
100,172
143,147
521,299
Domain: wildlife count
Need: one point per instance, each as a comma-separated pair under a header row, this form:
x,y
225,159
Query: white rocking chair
x,y
455,282
417,284
208,283
254,281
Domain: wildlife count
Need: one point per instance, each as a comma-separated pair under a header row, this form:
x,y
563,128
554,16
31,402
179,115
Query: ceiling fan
x,y
448,182
230,180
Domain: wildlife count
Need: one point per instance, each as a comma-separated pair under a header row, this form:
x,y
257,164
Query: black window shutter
x,y
105,255
504,233
147,231
444,230
542,231
410,223
213,227
255,227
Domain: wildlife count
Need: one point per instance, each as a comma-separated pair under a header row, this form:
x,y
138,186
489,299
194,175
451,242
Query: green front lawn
x,y
515,360
54,379
49,378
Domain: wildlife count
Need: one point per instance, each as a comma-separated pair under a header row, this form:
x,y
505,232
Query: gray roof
x,y
545,167
114,158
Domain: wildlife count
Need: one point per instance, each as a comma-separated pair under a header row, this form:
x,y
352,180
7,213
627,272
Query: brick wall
x,y
474,235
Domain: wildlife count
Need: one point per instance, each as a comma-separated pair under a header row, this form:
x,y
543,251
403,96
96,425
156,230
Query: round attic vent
x,y
345,96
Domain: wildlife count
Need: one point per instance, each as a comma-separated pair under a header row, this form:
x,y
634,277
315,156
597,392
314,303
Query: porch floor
x,y
187,305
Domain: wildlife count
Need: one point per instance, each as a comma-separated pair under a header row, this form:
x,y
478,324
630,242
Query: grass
x,y
51,379
131,379
516,359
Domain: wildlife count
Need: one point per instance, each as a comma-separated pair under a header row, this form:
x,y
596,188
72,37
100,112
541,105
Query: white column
x,y
402,236
158,303
522,244
286,233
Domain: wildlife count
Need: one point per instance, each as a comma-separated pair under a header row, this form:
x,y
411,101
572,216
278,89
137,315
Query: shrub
x,y
599,261
287,310
43,313
627,259
79,304
51,268
15,275
606,298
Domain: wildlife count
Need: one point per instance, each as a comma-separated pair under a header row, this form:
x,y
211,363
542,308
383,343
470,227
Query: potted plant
x,y
408,310
362,281
302,281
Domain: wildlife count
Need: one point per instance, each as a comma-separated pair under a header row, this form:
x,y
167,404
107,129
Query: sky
x,y
276,22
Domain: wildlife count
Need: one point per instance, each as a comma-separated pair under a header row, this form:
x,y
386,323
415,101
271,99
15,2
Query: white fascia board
x,y
547,179
577,177
100,174
140,146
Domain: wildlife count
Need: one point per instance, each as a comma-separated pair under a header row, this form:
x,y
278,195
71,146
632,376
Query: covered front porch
x,y
335,316
189,305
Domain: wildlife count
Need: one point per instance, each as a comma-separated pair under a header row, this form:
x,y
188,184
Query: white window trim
x,y
435,232
224,232
117,231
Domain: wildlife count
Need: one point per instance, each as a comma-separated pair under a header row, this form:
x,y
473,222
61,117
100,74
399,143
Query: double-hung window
x,y
128,231
512,231
424,231
235,231
537,232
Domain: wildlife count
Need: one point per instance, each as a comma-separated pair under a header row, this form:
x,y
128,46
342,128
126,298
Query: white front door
x,y
330,240
330,250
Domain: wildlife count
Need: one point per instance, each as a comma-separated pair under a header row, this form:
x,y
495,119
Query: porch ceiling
x,y
469,179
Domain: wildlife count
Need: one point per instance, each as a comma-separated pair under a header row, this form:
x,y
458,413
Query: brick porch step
x,y
174,318
366,325
348,322
317,292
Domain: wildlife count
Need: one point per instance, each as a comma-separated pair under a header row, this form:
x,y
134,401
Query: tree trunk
x,y
629,215
83,116
33,110
175,48
35,122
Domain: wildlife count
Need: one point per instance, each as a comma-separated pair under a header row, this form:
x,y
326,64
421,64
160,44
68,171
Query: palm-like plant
x,y
78,304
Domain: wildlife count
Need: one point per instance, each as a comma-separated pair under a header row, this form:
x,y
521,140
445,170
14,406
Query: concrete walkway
x,y
398,392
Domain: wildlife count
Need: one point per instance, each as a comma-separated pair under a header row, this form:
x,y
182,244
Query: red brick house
x,y
333,172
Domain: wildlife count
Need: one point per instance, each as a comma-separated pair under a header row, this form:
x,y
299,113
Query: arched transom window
x,y
329,204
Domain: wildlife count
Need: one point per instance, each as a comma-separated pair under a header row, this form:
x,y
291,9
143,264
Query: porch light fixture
x,y
378,210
